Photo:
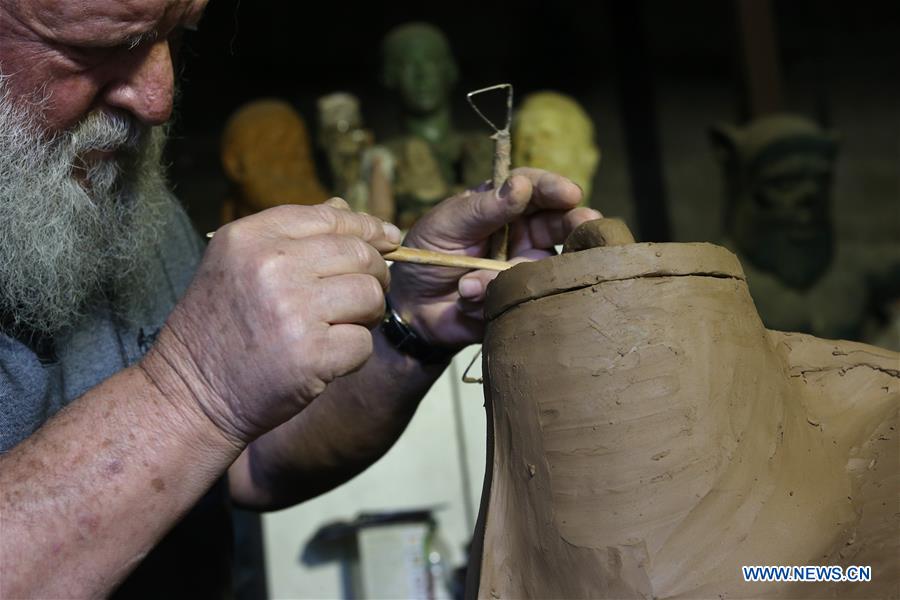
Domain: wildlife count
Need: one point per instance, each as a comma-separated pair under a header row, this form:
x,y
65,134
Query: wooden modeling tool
x,y
438,259
502,153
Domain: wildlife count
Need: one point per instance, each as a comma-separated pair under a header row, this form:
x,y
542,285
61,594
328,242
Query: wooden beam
x,y
759,58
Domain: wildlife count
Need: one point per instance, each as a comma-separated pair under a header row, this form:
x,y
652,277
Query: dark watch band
x,y
405,339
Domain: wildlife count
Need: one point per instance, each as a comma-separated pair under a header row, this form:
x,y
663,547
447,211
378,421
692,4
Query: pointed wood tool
x,y
437,259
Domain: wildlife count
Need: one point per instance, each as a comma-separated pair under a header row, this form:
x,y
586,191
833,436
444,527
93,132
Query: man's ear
x,y
724,140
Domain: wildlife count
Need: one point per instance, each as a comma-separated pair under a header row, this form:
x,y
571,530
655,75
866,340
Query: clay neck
x,y
434,127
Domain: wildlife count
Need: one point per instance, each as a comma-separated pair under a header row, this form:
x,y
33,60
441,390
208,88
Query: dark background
x,y
653,75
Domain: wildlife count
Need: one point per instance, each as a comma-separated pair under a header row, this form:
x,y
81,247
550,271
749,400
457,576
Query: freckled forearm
x,y
346,429
87,496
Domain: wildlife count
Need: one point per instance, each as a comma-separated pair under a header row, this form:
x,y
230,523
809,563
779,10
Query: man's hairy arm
x,y
349,427
278,308
86,497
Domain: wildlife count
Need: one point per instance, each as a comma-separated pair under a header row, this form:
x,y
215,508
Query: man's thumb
x,y
483,213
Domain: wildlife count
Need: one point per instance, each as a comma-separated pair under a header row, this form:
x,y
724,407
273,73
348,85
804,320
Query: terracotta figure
x,y
432,160
267,156
552,131
778,171
649,436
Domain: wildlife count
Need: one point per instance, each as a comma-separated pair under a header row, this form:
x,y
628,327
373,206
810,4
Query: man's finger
x,y
346,348
549,190
478,214
297,222
338,203
548,228
349,299
331,255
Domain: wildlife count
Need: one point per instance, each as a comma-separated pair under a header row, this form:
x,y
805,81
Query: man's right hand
x,y
280,306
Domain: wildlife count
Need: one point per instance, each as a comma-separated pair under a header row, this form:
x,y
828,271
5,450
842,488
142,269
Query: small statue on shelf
x,y
360,171
778,172
432,160
267,157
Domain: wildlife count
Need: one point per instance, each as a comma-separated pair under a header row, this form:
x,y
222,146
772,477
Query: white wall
x,y
425,468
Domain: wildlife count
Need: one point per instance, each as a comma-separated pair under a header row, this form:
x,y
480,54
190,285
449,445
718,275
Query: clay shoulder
x,y
807,353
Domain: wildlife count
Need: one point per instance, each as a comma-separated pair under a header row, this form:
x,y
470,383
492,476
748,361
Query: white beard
x,y
72,234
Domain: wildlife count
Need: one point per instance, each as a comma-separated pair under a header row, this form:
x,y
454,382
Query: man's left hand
x,y
444,305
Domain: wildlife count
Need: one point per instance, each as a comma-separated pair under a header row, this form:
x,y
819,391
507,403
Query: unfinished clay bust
x,y
778,172
649,436
552,131
267,156
432,159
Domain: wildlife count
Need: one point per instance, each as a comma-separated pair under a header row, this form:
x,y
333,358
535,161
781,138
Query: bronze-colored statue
x,y
552,131
432,160
649,436
267,156
778,171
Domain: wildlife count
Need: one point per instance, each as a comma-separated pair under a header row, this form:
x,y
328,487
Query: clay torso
x,y
649,436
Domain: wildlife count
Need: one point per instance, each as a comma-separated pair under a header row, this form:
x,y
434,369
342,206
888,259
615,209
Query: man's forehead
x,y
104,22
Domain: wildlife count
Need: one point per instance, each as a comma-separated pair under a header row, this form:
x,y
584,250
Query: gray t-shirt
x,y
39,378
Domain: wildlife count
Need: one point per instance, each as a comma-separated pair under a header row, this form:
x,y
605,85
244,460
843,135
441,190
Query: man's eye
x,y
89,56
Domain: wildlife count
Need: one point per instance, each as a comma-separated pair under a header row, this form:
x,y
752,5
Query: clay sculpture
x,y
267,157
432,159
778,173
552,131
648,436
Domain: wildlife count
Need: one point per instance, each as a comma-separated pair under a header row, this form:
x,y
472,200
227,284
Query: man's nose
x,y
144,83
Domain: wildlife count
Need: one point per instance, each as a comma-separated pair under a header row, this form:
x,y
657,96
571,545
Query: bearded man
x,y
142,378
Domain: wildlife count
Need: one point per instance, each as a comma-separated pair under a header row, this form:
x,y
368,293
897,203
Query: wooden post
x,y
759,58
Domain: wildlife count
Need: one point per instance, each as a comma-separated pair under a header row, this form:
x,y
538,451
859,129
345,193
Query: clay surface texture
x,y
648,436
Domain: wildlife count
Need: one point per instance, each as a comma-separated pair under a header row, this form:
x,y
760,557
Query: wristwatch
x,y
404,338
